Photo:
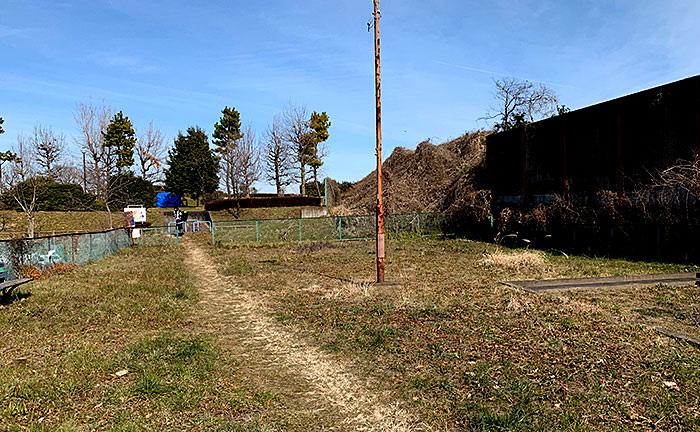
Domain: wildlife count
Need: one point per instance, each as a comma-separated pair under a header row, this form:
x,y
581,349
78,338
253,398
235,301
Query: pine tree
x,y
120,137
2,131
319,123
227,132
193,166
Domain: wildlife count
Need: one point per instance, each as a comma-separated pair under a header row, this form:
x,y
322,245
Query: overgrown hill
x,y
429,178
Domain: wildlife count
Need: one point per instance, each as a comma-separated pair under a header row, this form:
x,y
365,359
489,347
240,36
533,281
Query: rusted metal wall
x,y
615,145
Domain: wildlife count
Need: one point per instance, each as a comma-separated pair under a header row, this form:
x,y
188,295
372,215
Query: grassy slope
x,y
48,222
61,346
469,353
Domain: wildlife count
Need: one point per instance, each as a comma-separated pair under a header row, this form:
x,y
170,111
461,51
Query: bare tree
x,y
23,168
300,139
24,191
276,157
25,194
246,169
151,150
68,174
520,102
228,165
92,121
49,148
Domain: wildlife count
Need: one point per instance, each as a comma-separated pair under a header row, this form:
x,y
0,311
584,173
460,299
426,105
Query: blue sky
x,y
179,63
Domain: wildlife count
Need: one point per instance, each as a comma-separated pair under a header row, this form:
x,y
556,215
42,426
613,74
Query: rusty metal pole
x,y
380,204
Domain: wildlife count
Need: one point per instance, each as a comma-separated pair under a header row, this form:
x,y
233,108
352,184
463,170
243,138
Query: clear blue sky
x,y
179,63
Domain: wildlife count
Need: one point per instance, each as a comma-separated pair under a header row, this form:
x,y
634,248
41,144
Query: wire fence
x,y
82,248
68,248
333,228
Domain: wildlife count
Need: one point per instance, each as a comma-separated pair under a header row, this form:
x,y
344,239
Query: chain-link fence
x,y
68,248
81,248
334,228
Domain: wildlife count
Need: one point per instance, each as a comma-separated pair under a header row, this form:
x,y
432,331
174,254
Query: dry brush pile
x,y
429,178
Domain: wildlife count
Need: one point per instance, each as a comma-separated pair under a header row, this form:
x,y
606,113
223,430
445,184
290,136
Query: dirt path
x,y
320,386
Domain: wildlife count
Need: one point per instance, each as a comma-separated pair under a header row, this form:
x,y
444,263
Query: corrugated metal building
x,y
615,145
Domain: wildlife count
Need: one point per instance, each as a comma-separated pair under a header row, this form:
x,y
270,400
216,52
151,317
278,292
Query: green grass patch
x,y
113,346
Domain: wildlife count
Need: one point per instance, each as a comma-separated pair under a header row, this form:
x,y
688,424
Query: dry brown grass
x,y
348,290
514,260
462,352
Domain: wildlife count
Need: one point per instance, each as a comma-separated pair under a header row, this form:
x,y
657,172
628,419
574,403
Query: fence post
x,y
257,231
340,228
177,237
419,232
299,229
213,239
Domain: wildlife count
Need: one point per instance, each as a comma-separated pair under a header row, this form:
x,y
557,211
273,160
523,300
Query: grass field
x,y
468,353
295,337
64,347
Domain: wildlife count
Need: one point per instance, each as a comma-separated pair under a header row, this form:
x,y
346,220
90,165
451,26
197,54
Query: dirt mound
x,y
429,178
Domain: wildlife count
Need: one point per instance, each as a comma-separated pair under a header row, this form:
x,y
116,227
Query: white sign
x,y
138,213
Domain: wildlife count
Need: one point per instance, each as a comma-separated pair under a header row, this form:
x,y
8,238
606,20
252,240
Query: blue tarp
x,y
168,199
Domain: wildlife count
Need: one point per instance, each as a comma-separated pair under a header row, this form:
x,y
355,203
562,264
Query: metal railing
x,y
330,228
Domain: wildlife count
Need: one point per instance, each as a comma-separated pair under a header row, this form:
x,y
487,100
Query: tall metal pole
x,y
84,173
380,204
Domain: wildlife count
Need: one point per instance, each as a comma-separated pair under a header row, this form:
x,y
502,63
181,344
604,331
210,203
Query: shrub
x,y
126,188
51,195
36,272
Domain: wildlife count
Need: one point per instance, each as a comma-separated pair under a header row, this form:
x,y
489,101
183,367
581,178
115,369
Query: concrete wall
x,y
312,212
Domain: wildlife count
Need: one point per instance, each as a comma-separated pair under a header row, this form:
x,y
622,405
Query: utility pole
x,y
380,204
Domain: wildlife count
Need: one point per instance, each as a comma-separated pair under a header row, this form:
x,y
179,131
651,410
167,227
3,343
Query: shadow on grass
x,y
12,297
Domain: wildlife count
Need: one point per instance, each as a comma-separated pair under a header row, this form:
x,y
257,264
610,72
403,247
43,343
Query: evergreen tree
x,y
193,166
227,132
130,189
8,156
120,137
319,123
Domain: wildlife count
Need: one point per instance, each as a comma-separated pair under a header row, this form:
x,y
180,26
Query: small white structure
x,y
135,214
313,212
138,214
